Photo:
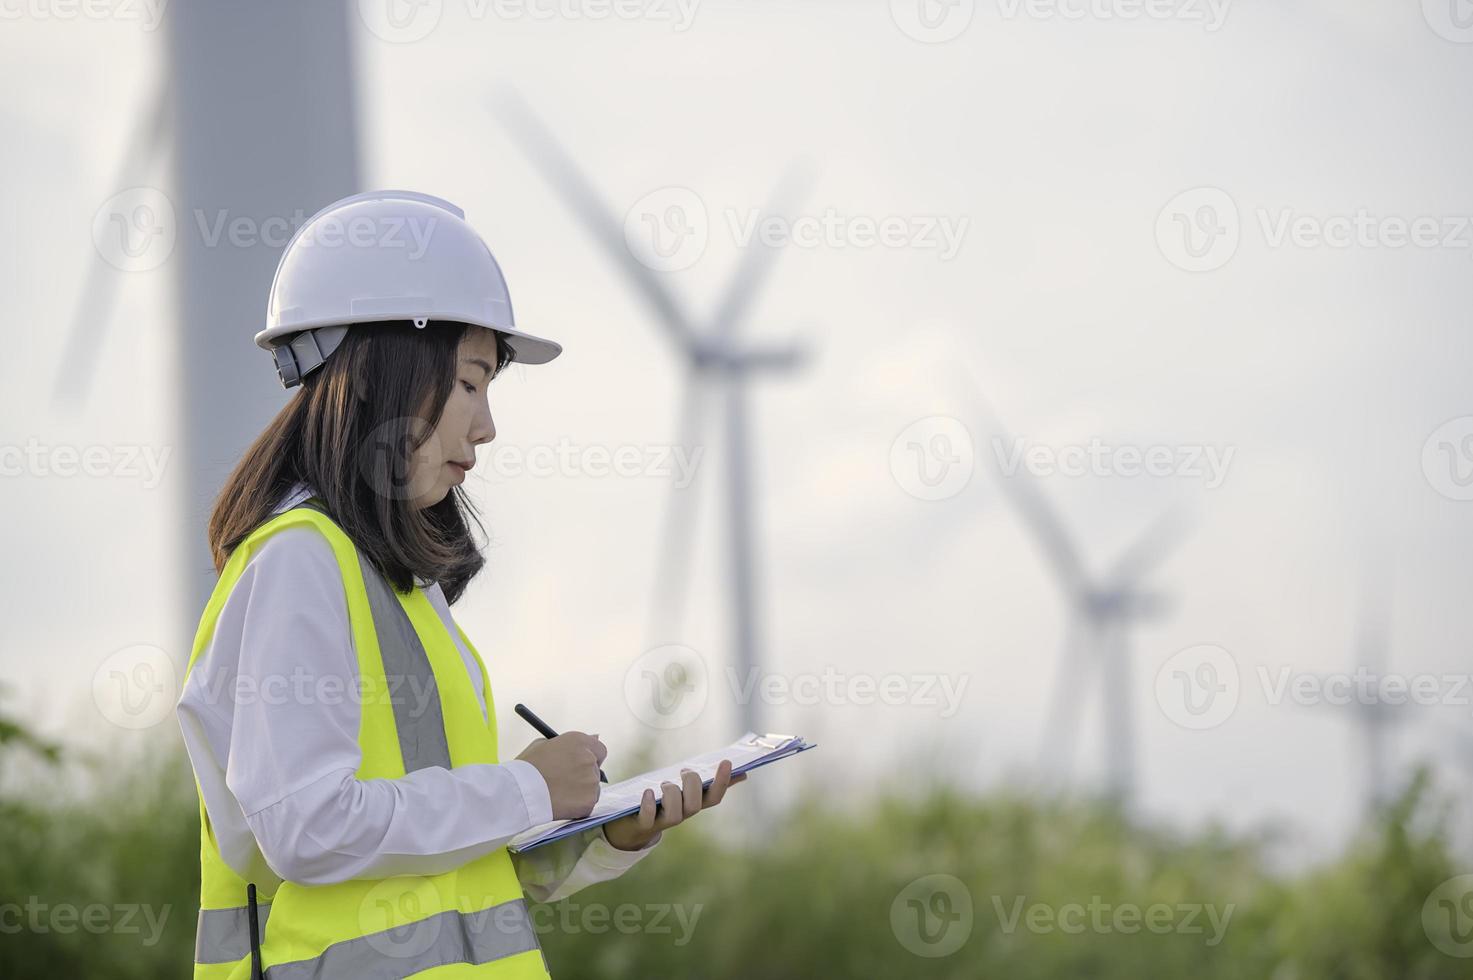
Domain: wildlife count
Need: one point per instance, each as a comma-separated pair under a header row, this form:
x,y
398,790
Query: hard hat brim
x,y
527,349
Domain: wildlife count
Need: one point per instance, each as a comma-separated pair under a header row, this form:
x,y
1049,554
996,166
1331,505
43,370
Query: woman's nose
x,y
484,430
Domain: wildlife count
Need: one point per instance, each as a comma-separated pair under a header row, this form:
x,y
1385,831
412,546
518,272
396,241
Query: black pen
x,y
546,730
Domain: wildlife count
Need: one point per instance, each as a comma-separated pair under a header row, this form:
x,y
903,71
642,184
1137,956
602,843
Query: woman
x,y
354,808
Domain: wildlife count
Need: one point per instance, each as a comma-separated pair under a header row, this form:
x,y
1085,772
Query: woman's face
x,y
441,463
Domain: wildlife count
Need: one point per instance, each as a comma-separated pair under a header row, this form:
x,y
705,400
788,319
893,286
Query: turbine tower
x,y
254,117
1375,718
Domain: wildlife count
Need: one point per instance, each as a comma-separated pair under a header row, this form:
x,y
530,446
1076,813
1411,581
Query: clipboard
x,y
751,751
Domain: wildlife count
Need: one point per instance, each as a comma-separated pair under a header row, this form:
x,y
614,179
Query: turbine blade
x,y
90,318
597,216
1149,550
1037,513
757,259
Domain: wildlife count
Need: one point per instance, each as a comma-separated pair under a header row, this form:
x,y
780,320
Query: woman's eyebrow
x,y
478,362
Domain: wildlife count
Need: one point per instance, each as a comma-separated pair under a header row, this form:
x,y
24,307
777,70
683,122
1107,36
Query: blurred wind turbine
x,y
712,357
1102,608
256,116
1376,717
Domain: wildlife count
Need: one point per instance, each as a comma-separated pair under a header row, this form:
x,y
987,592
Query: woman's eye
x,y
468,387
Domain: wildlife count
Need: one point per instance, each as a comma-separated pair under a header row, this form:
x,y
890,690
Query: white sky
x,y
1059,142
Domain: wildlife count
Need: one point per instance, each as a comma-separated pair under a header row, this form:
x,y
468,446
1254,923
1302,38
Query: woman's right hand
x,y
569,765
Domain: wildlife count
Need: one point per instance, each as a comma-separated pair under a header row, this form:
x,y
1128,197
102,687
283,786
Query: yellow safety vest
x,y
470,922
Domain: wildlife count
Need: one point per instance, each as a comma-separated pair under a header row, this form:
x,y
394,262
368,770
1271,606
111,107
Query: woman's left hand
x,y
638,830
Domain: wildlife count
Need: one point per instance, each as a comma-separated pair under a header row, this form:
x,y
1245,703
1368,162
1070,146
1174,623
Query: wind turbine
x,y
259,103
1375,718
1102,608
712,356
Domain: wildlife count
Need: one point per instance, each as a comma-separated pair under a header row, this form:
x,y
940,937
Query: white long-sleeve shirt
x,y
270,721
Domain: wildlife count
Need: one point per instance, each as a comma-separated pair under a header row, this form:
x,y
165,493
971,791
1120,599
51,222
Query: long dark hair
x,y
348,433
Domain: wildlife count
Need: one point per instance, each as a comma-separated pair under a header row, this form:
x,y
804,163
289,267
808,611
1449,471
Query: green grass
x,y
816,902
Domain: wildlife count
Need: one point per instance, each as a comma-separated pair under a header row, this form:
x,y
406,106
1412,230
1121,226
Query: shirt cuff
x,y
611,858
535,793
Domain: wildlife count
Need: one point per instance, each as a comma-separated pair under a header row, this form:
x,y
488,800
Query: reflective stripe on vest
x,y
415,699
224,935
439,940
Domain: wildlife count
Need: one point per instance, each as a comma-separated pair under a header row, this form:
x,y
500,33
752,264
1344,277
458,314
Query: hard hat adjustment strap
x,y
305,352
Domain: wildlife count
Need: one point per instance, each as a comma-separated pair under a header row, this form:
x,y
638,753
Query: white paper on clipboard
x,y
749,752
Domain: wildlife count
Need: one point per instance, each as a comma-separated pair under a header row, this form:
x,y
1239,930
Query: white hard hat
x,y
385,255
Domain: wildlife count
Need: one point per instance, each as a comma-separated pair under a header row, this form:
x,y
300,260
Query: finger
x,y
591,742
646,820
717,789
690,784
671,810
